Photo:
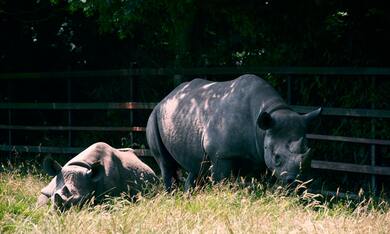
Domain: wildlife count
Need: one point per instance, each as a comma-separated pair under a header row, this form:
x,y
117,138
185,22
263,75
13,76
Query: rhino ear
x,y
51,166
265,121
312,115
96,171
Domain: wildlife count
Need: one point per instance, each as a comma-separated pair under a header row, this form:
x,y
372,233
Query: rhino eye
x,y
278,160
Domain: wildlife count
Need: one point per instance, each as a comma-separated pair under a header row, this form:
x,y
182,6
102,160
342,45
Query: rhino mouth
x,y
287,178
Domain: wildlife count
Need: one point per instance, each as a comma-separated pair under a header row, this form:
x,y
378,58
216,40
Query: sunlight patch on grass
x,y
223,208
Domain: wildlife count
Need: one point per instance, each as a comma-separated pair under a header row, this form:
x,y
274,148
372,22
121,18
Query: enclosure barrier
x,y
176,74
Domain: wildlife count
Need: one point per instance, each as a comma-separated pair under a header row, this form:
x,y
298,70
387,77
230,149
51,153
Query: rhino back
x,y
134,169
213,117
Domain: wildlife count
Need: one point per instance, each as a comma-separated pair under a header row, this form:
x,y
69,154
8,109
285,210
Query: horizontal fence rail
x,y
347,112
331,71
331,111
348,139
143,129
78,106
72,128
58,150
350,167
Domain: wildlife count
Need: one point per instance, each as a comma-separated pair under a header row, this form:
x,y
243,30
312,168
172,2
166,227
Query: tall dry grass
x,y
220,209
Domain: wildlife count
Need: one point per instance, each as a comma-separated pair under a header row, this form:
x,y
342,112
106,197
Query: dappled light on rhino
x,y
226,123
95,173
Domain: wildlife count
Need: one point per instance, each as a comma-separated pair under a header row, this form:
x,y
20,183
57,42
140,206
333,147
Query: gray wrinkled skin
x,y
99,170
227,127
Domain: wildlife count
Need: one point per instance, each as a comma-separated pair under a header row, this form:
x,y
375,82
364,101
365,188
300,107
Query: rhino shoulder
x,y
250,80
97,152
101,147
191,85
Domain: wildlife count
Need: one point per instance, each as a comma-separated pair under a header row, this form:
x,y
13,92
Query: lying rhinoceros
x,y
99,170
230,125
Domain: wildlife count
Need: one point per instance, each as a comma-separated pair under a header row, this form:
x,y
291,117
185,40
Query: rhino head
x,y
285,148
72,184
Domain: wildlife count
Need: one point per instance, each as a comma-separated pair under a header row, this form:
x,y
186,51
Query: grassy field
x,y
219,209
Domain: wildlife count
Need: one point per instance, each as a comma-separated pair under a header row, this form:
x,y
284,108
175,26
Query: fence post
x,y
10,131
373,147
69,113
289,89
9,120
131,96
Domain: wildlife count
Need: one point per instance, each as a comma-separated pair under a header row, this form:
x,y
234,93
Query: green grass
x,y
219,209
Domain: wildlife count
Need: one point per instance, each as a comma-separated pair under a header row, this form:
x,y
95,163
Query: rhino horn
x,y
305,156
312,115
296,146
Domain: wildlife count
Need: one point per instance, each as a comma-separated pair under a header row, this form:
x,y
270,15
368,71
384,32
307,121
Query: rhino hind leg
x,y
169,175
168,166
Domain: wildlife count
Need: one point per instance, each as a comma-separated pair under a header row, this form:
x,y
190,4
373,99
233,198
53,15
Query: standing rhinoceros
x,y
232,124
99,170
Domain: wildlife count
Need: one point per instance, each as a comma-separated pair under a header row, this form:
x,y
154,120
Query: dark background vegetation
x,y
43,36
114,34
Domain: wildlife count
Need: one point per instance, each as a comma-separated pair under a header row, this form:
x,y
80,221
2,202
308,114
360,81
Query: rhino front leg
x,y
190,182
221,169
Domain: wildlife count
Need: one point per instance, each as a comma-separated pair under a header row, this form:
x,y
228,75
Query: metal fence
x,y
176,74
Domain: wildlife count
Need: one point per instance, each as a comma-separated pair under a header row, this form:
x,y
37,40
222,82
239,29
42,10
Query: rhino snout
x,y
59,201
62,198
290,180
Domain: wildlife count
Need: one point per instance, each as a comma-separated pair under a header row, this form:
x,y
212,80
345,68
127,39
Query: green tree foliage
x,y
193,33
198,33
